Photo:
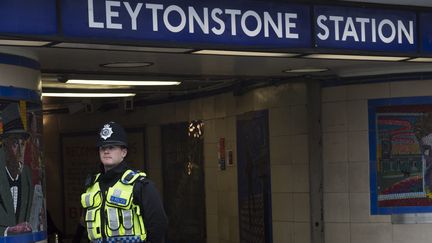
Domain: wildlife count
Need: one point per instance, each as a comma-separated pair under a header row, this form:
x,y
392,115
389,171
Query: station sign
x,y
366,29
28,17
243,24
235,23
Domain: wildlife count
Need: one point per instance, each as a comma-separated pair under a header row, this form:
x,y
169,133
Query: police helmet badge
x,y
106,132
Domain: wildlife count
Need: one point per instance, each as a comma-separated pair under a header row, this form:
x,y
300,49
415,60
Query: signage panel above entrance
x,y
245,24
231,25
28,17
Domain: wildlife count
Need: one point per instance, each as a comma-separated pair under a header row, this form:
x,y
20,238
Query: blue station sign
x,y
28,17
238,23
365,29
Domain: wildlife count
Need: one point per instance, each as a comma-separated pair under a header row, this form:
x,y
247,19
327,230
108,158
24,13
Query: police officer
x,y
121,204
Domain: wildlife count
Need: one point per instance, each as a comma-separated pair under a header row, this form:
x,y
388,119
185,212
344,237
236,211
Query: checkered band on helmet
x,y
111,133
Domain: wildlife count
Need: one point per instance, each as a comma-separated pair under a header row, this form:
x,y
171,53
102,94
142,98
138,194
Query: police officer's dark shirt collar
x,y
114,173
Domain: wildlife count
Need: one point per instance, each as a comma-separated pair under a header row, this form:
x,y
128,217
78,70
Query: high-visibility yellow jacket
x,y
113,214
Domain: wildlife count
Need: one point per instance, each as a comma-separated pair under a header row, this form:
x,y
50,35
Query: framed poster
x,y
400,145
80,158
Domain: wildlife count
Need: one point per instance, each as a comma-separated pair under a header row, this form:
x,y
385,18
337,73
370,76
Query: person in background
x,y
121,204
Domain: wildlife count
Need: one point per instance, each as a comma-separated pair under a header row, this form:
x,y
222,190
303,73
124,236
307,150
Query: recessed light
x,y
356,57
121,48
245,53
88,95
306,70
23,43
126,64
119,82
420,59
59,85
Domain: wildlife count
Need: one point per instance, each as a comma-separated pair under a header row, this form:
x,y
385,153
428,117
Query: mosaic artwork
x,y
400,134
22,203
254,189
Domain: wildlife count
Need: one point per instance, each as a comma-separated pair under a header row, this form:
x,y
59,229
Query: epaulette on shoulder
x,y
91,179
130,176
143,179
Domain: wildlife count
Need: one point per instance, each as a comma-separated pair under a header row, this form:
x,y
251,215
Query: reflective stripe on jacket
x,y
122,217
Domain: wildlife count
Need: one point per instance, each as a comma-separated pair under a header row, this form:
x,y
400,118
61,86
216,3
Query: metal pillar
x,y
315,161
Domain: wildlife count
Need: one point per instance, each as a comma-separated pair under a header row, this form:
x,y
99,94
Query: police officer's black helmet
x,y
112,133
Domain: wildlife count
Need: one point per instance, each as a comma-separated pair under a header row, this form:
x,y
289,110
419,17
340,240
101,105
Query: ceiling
x,y
202,74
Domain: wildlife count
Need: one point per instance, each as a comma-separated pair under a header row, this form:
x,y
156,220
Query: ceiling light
x,y
118,82
121,48
126,64
88,95
245,53
59,85
421,59
306,70
356,57
23,43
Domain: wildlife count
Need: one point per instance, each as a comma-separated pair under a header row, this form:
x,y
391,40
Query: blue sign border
x,y
426,32
28,17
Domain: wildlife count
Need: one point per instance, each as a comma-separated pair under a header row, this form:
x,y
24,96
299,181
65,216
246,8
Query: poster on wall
x,y
253,177
22,186
80,158
400,142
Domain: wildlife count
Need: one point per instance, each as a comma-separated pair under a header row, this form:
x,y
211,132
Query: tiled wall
x,y
345,154
290,167
346,166
287,105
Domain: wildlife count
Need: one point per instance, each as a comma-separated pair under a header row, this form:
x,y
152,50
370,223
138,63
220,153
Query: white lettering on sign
x,y
320,21
363,22
215,13
176,10
128,15
289,26
256,18
154,8
408,33
392,35
133,13
110,14
233,13
268,21
203,22
92,22
365,29
349,30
